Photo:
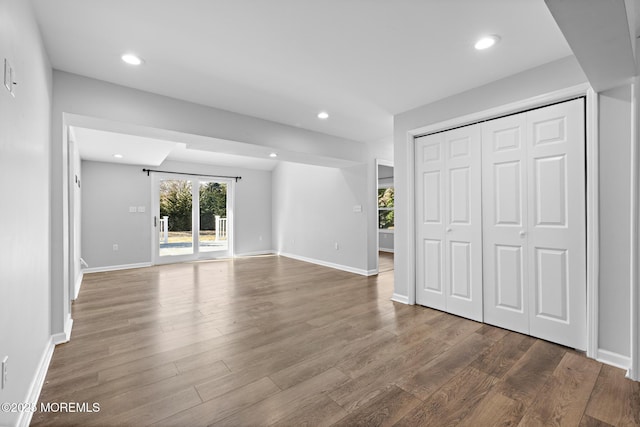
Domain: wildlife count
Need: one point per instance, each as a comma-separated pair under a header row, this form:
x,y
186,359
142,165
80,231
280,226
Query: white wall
x,y
386,239
615,225
108,190
77,95
313,210
614,166
24,184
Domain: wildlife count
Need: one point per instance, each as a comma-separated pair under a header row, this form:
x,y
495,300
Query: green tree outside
x,y
176,203
385,200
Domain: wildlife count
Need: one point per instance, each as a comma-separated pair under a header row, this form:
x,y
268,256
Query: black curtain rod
x,y
148,171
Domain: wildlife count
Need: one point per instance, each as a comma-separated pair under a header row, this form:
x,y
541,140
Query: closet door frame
x,y
591,182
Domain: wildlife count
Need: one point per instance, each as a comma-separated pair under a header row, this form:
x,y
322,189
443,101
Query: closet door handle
x,y
523,233
448,229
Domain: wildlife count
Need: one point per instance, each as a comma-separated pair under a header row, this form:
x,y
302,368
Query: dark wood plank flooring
x,y
274,341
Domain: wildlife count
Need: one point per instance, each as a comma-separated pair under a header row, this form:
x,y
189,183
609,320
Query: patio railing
x,y
164,229
221,228
220,224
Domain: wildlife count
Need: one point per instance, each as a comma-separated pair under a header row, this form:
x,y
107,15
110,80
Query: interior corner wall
x,y
313,211
615,221
25,125
109,189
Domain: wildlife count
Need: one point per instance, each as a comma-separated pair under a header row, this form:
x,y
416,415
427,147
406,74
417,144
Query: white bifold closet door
x,y
449,221
534,223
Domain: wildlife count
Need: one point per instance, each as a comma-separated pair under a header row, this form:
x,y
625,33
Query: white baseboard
x,y
65,336
346,268
385,250
36,384
613,359
116,267
256,253
400,298
77,285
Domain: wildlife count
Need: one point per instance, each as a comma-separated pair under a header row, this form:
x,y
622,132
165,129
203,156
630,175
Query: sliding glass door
x,y
192,218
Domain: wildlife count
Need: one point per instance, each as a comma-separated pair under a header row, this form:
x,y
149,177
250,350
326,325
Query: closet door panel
x,y
504,182
557,224
449,222
463,228
430,221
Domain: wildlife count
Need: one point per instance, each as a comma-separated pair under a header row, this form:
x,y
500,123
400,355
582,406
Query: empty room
x,y
337,213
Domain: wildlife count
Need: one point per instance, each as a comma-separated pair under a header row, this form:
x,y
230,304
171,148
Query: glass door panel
x,y
192,218
213,230
175,224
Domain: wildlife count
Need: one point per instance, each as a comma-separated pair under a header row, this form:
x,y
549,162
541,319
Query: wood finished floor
x,y
274,341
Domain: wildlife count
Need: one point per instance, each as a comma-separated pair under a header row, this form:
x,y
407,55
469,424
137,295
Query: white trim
x,y
78,285
399,298
593,255
255,253
346,268
116,267
65,336
613,359
634,293
593,222
24,419
514,107
411,223
379,162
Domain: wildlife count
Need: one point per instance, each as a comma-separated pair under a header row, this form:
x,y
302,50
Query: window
x,y
385,208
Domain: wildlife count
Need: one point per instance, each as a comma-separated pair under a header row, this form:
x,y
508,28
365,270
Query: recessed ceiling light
x,y
131,59
486,42
274,155
118,156
323,115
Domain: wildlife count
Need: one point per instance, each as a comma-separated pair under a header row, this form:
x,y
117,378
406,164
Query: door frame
x,y
155,209
592,196
380,162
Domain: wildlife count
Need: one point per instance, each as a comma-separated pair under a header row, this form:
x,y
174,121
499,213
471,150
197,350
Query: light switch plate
x,y
3,372
141,209
8,76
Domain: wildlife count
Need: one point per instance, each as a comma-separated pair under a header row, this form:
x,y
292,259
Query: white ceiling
x,y
285,60
102,146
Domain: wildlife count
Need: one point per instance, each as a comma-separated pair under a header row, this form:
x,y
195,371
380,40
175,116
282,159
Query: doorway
x,y
385,203
192,218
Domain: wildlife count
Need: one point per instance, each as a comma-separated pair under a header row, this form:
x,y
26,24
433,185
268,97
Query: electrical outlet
x,y
115,247
3,375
